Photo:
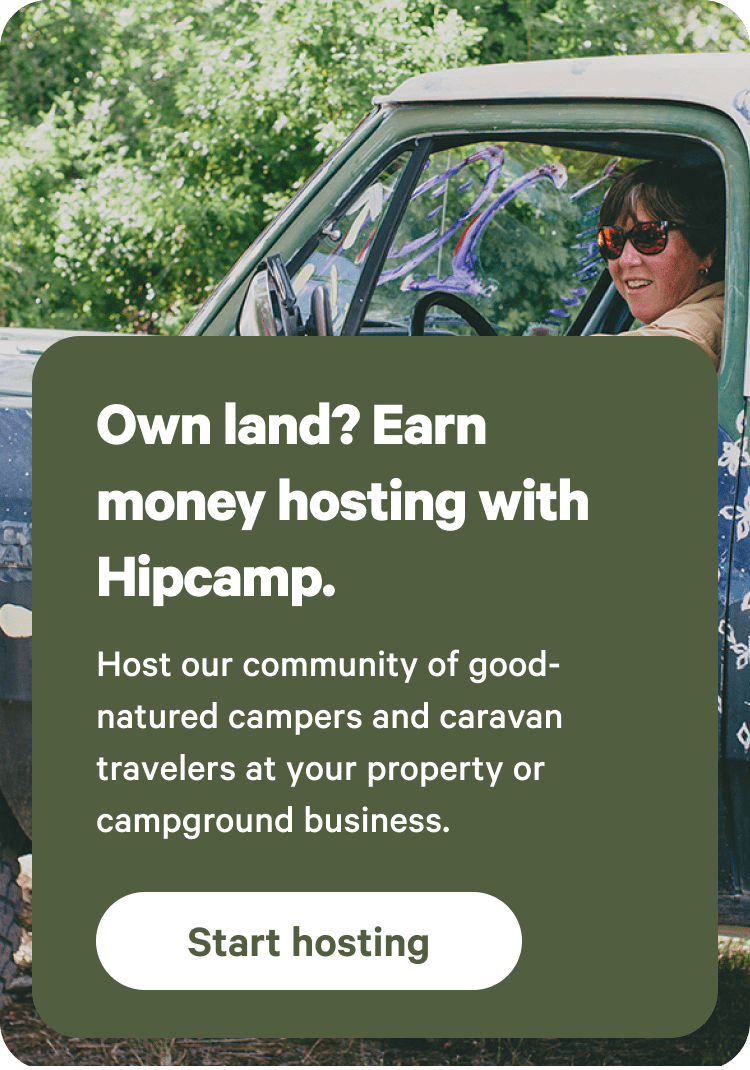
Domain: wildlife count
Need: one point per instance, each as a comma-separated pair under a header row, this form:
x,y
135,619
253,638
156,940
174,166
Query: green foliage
x,y
545,29
144,147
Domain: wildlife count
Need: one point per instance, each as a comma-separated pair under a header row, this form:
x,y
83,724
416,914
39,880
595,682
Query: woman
x,y
661,231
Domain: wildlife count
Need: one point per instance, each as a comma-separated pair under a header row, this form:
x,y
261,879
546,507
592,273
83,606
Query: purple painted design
x,y
463,279
607,173
742,103
411,246
495,156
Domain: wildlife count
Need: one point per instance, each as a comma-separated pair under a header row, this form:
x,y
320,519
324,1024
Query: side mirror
x,y
256,317
270,308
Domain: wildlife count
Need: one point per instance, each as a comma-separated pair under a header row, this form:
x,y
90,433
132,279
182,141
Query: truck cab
x,y
466,203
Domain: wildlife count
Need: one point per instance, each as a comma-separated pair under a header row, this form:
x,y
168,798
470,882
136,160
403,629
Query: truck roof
x,y
716,79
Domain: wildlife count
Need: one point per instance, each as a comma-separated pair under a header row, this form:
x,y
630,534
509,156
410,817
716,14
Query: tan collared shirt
x,y
700,318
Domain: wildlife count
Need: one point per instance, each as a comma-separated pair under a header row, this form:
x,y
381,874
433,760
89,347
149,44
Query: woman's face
x,y
652,285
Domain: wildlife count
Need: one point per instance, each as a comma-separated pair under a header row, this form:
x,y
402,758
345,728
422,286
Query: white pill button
x,y
309,940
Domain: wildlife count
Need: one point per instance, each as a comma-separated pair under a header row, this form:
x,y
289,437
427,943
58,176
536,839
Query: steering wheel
x,y
456,304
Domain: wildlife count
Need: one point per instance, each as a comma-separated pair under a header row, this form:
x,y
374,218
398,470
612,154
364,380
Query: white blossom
x,y
741,516
736,453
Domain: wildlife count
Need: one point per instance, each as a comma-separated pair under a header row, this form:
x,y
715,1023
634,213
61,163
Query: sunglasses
x,y
647,238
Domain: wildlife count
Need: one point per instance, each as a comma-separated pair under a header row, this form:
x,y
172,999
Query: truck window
x,y
338,259
508,227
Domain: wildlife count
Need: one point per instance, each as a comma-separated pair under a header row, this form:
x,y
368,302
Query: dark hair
x,y
691,196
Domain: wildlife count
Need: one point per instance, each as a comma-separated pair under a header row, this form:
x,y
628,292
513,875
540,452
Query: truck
x,y
464,203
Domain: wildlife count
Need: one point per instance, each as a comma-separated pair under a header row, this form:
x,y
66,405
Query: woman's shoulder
x,y
700,318
704,306
708,296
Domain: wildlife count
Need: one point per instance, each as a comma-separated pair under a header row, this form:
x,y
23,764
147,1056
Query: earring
x,y
703,272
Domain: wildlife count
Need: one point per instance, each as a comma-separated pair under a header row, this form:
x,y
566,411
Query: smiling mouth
x,y
636,284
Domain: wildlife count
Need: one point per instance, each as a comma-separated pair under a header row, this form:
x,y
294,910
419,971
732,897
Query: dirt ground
x,y
718,1041
33,1043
